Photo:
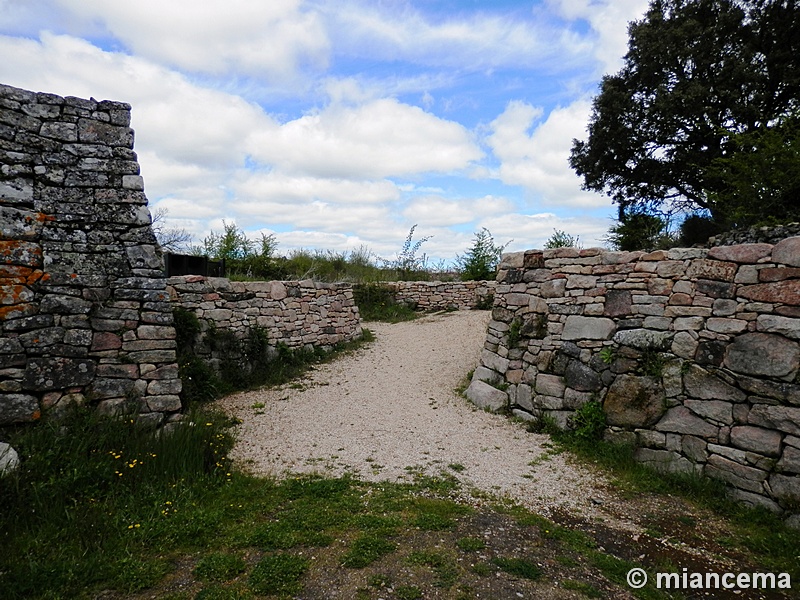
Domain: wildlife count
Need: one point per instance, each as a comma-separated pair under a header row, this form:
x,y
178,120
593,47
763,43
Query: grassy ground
x,y
103,509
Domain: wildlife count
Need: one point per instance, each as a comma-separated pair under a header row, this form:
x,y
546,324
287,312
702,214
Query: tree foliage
x,y
480,262
561,239
708,96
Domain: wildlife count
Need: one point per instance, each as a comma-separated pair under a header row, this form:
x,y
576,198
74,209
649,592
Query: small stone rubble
x,y
694,354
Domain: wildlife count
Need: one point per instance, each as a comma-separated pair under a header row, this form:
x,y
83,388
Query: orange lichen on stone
x,y
16,274
16,252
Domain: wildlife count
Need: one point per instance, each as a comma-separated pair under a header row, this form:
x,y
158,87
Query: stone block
x,y
785,487
684,344
790,460
784,292
550,385
700,383
483,395
741,253
782,325
726,326
524,396
9,459
783,418
763,354
588,328
715,410
18,408
711,269
787,252
740,476
494,362
757,439
680,419
663,460
644,339
581,377
553,289
57,373
634,401
695,448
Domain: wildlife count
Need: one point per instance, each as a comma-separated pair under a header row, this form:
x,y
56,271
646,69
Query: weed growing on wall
x,y
589,421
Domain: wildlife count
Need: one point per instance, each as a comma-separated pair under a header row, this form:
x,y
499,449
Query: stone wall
x,y
299,314
448,295
693,353
84,312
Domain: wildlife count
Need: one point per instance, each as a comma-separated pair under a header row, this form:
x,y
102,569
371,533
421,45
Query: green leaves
x,y
672,130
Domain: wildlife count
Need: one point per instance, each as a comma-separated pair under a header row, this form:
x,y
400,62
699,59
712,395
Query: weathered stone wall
x,y
299,314
693,353
84,312
447,295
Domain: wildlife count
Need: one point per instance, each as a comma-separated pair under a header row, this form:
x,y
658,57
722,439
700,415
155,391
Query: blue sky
x,y
336,124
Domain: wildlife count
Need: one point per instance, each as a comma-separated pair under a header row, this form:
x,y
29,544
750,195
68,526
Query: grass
x,y
376,302
755,531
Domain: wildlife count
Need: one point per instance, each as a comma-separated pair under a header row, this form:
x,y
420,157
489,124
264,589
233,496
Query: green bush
x,y
589,421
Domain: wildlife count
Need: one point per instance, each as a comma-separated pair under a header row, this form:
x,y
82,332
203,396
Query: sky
x,y
340,124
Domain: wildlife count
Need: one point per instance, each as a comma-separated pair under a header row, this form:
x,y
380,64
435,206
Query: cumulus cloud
x,y
607,19
215,36
533,230
438,211
380,138
534,153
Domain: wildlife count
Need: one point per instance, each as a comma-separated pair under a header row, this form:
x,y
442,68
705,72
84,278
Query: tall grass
x,y
93,493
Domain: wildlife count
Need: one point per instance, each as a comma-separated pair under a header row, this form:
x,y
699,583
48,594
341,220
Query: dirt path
x,y
391,410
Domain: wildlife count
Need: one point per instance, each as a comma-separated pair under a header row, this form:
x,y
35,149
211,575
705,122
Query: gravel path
x,y
390,410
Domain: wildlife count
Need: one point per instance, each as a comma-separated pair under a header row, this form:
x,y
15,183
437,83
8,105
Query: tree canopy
x,y
704,113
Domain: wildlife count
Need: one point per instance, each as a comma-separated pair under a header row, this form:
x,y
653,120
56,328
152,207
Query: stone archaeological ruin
x,y
693,353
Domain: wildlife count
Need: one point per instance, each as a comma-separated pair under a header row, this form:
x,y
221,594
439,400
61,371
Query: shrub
x,y
589,421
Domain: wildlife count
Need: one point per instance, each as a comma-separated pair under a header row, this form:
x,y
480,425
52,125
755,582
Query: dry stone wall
x,y
84,311
694,354
448,295
298,314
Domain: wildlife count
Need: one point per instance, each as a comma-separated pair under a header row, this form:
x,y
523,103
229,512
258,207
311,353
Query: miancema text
x,y
729,581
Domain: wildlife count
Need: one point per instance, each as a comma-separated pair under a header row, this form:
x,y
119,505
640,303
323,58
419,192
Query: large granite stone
x,y
634,401
787,252
763,354
588,328
483,395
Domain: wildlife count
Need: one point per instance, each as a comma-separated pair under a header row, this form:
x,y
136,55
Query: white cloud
x,y
530,231
481,40
607,19
259,38
280,187
538,160
381,138
437,211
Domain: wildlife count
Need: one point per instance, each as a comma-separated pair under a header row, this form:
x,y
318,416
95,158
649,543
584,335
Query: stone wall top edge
x,y
745,253
28,96
226,283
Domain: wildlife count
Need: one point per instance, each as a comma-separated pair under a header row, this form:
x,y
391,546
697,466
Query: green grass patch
x,y
518,567
442,565
366,549
755,531
278,574
219,566
470,544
